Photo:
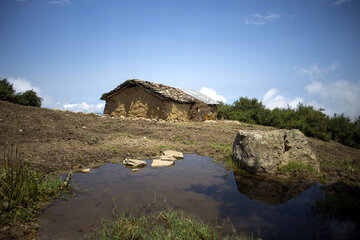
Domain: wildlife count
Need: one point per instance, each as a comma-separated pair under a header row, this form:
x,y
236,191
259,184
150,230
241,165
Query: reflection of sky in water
x,y
195,185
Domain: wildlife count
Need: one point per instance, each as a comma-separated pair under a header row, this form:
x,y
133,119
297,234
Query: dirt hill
x,y
57,141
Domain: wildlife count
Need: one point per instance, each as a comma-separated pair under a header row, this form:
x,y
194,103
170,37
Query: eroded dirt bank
x,y
57,141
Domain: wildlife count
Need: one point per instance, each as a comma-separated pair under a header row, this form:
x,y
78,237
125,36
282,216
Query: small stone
x,y
84,127
85,170
134,170
20,130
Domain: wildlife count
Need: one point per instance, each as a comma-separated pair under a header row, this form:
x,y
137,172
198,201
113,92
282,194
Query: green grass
x,y
22,188
162,147
166,224
92,139
222,146
351,165
296,166
186,139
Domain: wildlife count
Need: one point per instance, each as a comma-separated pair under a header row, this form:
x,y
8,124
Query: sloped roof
x,y
200,96
160,90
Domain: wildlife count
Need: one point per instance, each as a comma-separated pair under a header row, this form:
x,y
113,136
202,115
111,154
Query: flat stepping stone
x,y
161,163
134,163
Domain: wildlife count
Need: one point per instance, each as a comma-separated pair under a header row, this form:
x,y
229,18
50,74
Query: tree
x,y
28,98
6,90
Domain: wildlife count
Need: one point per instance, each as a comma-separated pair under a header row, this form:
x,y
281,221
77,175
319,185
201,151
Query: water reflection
x,y
196,185
338,208
269,190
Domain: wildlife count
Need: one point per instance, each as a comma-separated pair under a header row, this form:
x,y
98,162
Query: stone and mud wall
x,y
137,102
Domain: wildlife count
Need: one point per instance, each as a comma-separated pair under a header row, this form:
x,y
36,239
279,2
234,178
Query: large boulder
x,y
265,151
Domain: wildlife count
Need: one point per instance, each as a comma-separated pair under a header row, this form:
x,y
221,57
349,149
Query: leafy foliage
x,y
28,98
311,122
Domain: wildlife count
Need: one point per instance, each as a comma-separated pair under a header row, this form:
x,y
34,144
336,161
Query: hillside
x,y
57,141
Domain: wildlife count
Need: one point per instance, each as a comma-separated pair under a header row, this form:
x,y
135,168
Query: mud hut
x,y
138,98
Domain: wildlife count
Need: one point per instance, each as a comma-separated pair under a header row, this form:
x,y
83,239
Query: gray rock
x,y
265,151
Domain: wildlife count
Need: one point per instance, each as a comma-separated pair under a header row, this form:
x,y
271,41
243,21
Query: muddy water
x,y
203,188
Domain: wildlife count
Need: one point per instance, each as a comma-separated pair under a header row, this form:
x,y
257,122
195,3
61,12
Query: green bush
x,y
6,91
311,122
28,98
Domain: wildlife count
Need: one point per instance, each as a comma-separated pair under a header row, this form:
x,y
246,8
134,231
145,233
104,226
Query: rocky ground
x,y
59,141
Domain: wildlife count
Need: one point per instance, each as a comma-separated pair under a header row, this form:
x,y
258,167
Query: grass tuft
x,y
296,166
21,188
165,224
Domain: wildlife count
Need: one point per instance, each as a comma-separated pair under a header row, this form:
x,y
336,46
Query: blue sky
x,y
282,52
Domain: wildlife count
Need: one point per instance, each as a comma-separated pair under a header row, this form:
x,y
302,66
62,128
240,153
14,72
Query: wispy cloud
x,y
272,99
314,71
23,85
340,96
59,2
211,93
337,96
340,2
259,19
84,107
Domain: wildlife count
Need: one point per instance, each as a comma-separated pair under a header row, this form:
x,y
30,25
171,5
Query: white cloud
x,y
340,96
340,2
23,85
59,2
85,107
258,19
314,71
212,94
272,99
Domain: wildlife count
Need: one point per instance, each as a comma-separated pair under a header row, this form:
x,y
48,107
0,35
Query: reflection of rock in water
x,y
340,201
339,209
268,190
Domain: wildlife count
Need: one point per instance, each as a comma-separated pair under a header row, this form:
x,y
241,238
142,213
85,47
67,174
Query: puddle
x,y
203,188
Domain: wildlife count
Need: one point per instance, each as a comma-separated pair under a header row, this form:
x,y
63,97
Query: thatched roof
x,y
159,90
